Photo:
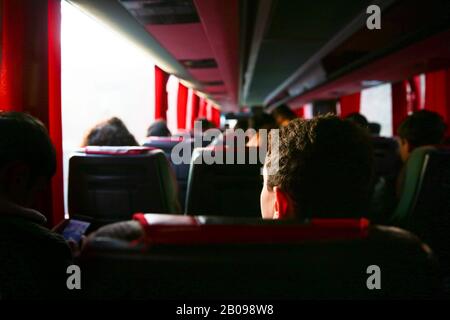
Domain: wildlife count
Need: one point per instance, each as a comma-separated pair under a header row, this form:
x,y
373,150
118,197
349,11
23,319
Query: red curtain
x,y
415,96
215,116
400,104
350,104
300,112
12,56
437,93
202,111
193,109
30,77
182,106
161,106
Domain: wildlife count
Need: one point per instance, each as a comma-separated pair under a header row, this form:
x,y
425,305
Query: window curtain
x,y
182,100
193,108
399,104
437,94
416,94
215,116
161,104
350,104
300,112
202,111
30,78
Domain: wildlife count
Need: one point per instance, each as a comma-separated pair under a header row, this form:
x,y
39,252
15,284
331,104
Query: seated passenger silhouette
x,y
283,114
158,129
112,133
358,119
420,129
325,170
33,260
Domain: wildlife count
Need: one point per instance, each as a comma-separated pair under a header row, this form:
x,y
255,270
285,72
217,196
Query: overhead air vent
x,y
199,64
162,12
213,83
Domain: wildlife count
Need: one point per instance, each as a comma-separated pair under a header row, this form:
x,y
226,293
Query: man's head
x,y
27,157
283,114
111,132
420,129
325,168
358,119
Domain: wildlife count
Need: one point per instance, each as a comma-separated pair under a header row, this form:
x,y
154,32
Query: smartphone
x,y
75,229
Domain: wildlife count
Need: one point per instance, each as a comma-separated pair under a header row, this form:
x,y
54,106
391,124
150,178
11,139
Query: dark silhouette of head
x,y
158,129
27,157
283,114
112,132
358,119
422,128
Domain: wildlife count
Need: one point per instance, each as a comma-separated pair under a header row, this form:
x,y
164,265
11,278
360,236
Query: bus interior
x,y
178,208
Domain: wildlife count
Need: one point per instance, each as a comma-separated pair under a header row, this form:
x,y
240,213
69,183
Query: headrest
x,y
116,150
189,230
164,139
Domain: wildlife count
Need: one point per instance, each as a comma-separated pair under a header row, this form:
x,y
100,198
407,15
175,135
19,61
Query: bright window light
x,y
103,75
376,106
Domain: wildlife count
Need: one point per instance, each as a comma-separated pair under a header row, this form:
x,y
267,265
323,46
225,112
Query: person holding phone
x,y
33,259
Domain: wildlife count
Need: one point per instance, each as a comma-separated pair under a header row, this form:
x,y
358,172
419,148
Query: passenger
x,y
283,114
422,128
325,170
206,124
263,121
242,123
33,260
158,129
374,129
358,119
112,132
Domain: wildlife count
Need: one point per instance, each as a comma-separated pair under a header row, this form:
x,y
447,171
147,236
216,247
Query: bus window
x,y
104,75
376,106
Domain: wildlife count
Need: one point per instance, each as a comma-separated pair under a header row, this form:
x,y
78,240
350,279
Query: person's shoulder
x,y
20,229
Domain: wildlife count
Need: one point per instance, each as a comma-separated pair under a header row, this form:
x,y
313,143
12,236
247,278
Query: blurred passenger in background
x,y
374,129
112,133
283,114
422,128
158,129
263,121
358,119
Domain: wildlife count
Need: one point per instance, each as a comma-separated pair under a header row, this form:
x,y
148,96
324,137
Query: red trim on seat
x,y
189,231
140,217
116,150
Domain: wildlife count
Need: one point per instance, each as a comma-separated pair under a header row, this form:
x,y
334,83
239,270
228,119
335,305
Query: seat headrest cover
x,y
164,139
188,230
116,150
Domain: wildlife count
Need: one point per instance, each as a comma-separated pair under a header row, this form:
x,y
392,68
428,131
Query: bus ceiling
x,y
266,52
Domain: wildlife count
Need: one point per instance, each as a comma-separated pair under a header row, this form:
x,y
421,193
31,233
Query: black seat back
x,y
225,189
111,185
301,267
429,216
386,156
167,144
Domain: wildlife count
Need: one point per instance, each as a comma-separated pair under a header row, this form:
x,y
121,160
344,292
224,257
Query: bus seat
x,y
110,184
386,155
256,259
424,206
224,189
181,170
